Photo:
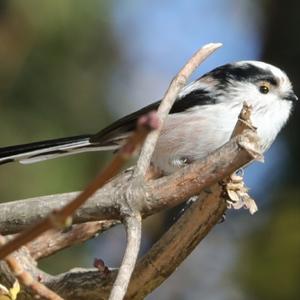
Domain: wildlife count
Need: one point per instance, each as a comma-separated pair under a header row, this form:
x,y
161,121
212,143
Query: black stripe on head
x,y
19,149
246,72
194,98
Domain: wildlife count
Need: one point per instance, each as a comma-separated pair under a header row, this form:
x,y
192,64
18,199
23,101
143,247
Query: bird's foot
x,y
181,162
223,218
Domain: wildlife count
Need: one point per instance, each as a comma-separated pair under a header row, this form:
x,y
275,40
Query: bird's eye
x,y
264,89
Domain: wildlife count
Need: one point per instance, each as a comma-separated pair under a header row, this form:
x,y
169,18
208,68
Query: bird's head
x,y
256,82
263,86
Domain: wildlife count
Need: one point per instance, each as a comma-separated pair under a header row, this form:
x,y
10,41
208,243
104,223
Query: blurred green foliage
x,y
55,58
269,267
55,63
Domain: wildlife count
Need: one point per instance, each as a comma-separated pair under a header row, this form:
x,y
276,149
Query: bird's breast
x,y
193,135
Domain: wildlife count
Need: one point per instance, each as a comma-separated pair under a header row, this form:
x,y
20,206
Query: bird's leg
x,y
237,192
223,218
181,162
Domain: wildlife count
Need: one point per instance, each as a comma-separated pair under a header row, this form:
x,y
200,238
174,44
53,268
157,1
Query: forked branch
x,y
193,225
133,219
58,218
129,198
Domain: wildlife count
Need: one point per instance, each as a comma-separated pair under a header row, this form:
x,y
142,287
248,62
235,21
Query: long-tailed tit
x,y
201,120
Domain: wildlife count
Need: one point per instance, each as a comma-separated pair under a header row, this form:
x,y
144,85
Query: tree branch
x,y
26,278
132,204
183,236
231,156
127,197
58,218
55,240
133,225
177,243
155,195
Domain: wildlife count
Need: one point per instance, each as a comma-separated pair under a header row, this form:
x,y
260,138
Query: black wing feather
x,y
109,135
128,123
18,149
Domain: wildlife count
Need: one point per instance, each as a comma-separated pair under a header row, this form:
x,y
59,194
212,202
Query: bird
x,y
201,120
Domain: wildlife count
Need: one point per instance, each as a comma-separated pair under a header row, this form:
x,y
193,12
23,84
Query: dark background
x,y
71,67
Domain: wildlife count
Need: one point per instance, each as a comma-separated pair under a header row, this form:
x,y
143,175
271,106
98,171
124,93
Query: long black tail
x,y
39,151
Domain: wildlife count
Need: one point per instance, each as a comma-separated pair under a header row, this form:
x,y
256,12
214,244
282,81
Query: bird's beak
x,y
291,97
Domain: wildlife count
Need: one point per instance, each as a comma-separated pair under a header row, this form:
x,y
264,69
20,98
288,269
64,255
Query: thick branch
x,y
55,240
157,265
191,180
167,191
177,243
58,217
231,156
195,223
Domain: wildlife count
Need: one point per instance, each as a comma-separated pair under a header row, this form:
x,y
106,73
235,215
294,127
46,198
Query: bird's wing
x,y
122,127
108,138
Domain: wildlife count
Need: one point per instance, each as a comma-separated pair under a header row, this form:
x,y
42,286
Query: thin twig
x,y
178,82
55,240
58,218
26,279
133,225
